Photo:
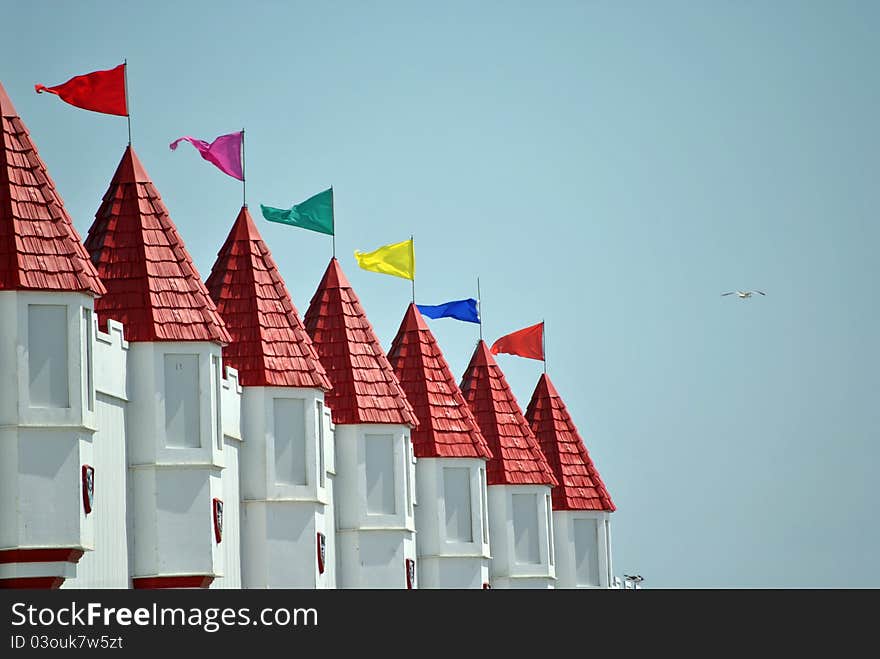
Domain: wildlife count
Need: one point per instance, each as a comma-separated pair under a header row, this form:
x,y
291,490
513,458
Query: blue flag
x,y
459,309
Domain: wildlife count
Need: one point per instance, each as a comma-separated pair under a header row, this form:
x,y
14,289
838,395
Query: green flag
x,y
314,214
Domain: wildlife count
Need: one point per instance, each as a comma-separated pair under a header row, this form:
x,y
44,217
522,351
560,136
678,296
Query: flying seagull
x,y
742,295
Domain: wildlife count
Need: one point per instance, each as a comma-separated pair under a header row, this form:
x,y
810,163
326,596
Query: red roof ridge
x,y
365,388
447,427
153,287
580,486
517,458
269,346
40,248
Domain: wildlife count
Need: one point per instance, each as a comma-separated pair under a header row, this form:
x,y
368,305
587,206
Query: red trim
x,y
191,581
57,555
41,583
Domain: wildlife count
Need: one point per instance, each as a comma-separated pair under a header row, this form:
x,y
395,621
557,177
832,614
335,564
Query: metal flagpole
x,y
333,219
127,110
243,187
544,344
479,309
412,248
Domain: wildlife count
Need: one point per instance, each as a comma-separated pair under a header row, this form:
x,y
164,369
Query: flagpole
x,y
544,344
479,309
127,109
243,186
412,255
333,218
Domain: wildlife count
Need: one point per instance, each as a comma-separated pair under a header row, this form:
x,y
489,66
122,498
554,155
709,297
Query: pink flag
x,y
224,152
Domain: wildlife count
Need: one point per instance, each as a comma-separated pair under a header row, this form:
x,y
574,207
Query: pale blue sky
x,y
609,167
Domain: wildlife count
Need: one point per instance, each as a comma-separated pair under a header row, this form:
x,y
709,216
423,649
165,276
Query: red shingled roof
x,y
39,247
153,288
580,487
365,389
447,428
269,346
517,459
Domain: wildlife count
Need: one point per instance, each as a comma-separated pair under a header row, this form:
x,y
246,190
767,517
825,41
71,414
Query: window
x,y
525,528
47,355
549,527
380,474
88,385
290,441
216,414
586,552
182,409
457,500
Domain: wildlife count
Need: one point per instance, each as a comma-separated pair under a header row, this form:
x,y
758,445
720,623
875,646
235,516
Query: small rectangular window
x,y
182,405
216,412
47,355
457,499
380,474
549,527
290,441
586,552
525,528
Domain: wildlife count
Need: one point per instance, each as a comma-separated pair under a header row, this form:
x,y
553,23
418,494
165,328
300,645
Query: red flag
x,y
527,342
100,91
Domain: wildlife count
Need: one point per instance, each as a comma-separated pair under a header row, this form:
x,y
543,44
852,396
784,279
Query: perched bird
x,y
742,295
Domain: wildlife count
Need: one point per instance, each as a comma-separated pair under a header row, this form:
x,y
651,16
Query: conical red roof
x,y
517,459
580,487
153,288
365,389
39,247
270,346
447,428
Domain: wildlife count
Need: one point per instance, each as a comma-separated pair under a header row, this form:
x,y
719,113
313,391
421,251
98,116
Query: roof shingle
x,y
580,486
365,389
270,346
516,457
447,428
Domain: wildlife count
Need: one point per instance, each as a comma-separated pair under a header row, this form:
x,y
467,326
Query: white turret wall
x,y
176,459
286,492
452,523
47,419
521,536
107,565
583,549
375,490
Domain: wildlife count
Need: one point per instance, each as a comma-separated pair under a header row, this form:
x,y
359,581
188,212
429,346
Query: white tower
x,y
518,477
47,395
452,516
179,504
582,506
374,489
287,534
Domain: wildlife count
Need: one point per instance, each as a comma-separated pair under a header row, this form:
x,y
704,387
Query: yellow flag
x,y
398,259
